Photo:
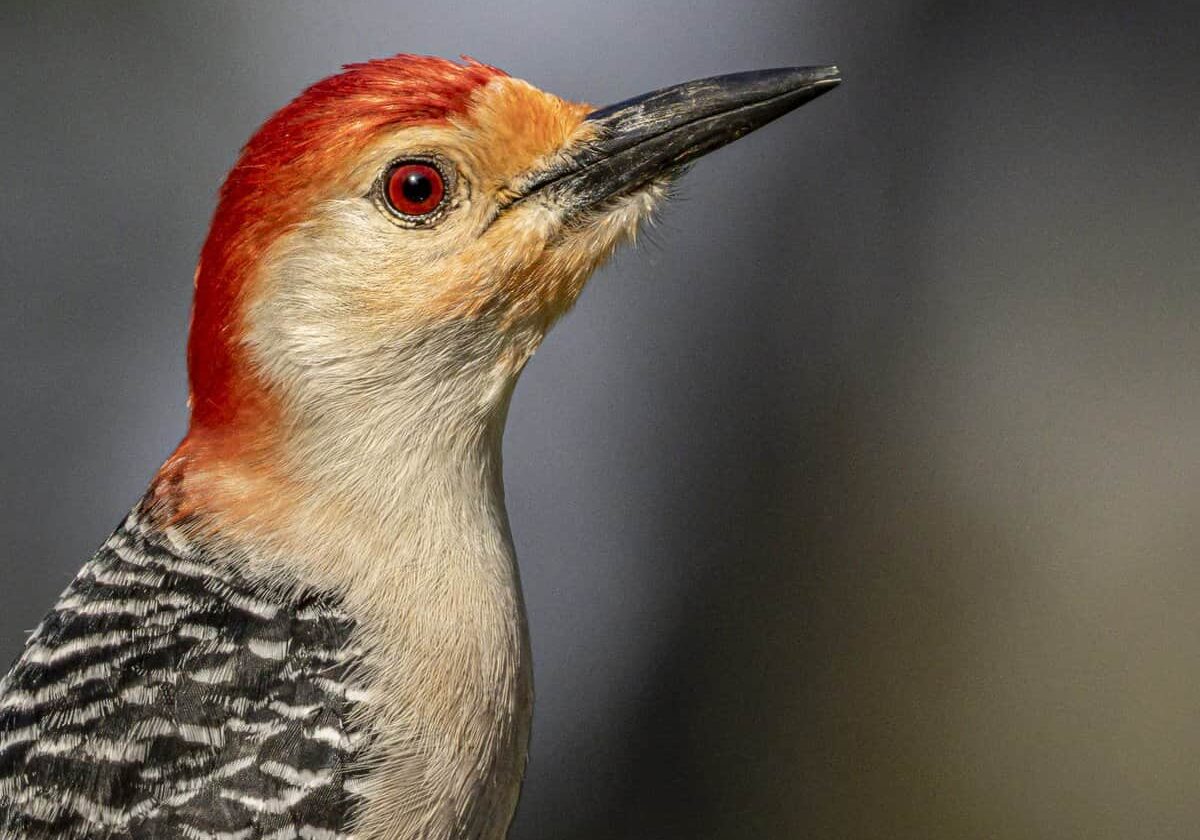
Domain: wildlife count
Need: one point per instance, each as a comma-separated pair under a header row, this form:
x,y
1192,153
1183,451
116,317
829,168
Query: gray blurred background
x,y
860,503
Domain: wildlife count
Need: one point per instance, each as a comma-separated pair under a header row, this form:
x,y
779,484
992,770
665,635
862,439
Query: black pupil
x,y
417,187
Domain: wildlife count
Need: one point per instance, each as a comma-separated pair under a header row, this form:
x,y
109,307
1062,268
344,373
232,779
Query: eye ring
x,y
417,190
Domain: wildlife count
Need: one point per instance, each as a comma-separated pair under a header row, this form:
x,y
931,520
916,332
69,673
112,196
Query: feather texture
x,y
168,695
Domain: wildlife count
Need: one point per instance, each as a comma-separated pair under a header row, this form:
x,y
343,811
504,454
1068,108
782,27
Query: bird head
x,y
392,246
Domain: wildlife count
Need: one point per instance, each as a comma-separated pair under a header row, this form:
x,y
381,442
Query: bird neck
x,y
401,512
388,487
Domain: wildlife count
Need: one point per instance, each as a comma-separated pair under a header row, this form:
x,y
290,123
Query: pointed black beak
x,y
656,134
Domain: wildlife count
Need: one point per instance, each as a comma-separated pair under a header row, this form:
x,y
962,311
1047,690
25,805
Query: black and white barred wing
x,y
165,696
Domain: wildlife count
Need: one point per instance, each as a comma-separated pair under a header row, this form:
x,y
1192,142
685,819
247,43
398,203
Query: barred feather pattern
x,y
167,695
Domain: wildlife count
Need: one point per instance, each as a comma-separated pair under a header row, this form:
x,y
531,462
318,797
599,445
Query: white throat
x,y
423,554
400,509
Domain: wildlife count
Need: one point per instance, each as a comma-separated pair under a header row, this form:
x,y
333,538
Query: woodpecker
x,y
311,625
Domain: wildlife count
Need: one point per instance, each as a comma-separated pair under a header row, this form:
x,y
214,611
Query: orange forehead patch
x,y
514,125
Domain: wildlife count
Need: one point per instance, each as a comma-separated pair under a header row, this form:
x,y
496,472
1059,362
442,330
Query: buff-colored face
x,y
373,267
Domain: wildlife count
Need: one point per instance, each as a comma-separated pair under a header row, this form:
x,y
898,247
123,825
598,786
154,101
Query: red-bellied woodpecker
x,y
311,625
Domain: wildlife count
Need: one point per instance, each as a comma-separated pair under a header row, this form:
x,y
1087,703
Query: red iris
x,y
415,189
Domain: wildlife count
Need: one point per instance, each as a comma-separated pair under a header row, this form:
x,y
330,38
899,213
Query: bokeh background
x,y
861,502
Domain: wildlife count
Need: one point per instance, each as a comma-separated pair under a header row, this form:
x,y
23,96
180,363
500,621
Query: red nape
x,y
275,180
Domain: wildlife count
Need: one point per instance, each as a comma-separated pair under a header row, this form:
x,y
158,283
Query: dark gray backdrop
x,y
859,503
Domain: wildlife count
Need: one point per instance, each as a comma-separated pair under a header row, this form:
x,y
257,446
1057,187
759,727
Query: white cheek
x,y
302,315
335,325
333,292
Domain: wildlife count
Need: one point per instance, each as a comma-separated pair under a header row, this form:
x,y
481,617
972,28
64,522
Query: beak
x,y
656,134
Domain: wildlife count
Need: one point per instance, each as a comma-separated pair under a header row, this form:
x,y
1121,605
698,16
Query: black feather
x,y
169,695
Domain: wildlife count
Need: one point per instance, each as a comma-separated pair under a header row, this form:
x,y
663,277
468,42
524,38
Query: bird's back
x,y
166,695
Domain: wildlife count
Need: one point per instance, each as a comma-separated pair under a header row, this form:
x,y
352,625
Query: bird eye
x,y
414,189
